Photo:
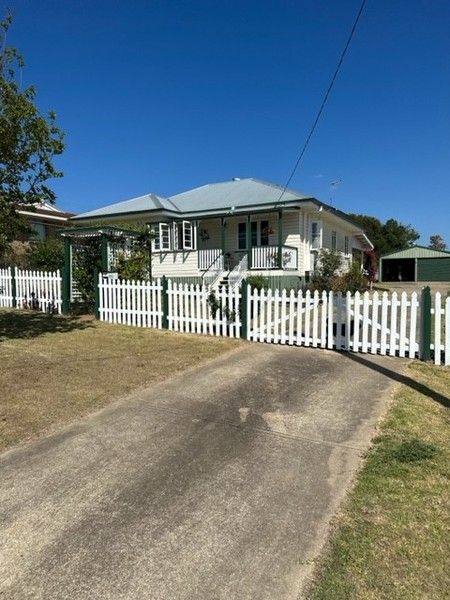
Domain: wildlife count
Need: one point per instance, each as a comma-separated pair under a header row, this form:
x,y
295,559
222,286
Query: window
x,y
316,235
175,236
242,236
164,236
188,236
333,240
346,244
264,233
38,231
254,230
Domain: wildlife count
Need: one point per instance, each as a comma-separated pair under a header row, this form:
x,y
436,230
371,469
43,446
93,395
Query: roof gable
x,y
418,252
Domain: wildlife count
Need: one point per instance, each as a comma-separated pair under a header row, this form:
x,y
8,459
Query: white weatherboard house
x,y
225,231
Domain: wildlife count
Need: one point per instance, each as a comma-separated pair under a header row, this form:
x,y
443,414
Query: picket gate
x,y
367,323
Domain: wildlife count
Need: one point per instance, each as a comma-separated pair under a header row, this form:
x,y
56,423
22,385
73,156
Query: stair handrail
x,y
238,273
211,276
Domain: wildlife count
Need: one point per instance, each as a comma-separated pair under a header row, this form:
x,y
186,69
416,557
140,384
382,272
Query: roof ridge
x,y
278,187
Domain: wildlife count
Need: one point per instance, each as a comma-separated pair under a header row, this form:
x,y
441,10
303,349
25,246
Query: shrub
x,y
133,266
329,262
351,281
258,282
47,255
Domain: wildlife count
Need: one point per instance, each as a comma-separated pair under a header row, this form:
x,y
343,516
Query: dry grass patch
x,y
54,369
392,540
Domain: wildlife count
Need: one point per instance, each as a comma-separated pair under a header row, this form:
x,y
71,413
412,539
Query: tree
x,y
386,237
29,141
437,242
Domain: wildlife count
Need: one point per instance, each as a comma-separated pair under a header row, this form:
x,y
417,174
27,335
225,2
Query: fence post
x,y
13,287
243,309
66,277
96,294
425,324
165,303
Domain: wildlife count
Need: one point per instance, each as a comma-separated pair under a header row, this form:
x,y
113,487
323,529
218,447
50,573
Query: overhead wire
x,y
324,100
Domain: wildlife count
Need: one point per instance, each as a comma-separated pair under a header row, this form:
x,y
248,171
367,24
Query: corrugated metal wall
x,y
433,269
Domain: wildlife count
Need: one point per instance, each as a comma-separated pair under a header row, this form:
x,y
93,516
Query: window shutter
x,y
188,237
175,245
164,236
156,241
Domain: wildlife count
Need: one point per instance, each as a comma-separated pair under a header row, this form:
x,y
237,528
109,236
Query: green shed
x,y
417,263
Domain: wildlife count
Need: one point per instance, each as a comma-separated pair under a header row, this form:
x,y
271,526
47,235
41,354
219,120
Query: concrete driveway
x,y
219,483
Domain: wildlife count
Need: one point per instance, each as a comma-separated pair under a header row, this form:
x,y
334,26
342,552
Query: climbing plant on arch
x,y
102,249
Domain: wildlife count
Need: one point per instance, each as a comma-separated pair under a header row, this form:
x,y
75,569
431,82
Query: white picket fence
x,y
6,297
34,289
136,303
197,309
375,323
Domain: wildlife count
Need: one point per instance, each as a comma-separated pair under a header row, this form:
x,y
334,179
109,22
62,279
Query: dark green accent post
x,y
249,242
425,324
243,309
66,277
280,239
96,295
13,287
222,235
104,253
165,303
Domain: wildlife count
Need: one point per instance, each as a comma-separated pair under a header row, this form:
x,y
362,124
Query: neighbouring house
x,y
45,220
417,263
226,230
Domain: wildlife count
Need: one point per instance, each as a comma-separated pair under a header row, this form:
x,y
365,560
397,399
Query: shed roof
x,y
417,252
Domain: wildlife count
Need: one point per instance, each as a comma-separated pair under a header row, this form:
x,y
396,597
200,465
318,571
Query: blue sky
x,y
161,96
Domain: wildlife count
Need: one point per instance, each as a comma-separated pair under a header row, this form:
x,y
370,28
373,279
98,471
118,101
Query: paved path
x,y
216,484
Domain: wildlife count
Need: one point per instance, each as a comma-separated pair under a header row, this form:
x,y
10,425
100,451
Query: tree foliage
x,y
47,255
29,141
387,237
437,242
329,274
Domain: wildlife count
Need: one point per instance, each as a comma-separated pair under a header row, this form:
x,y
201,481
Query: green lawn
x,y
392,539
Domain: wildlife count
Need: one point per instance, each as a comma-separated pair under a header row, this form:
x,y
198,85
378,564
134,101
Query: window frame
x,y
316,236
333,239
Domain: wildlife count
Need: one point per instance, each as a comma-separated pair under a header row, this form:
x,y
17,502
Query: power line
x,y
324,101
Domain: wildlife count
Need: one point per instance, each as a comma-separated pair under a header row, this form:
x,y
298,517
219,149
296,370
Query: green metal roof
x,y
417,252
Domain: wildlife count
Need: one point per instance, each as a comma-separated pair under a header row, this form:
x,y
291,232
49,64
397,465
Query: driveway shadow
x,y
29,324
396,376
